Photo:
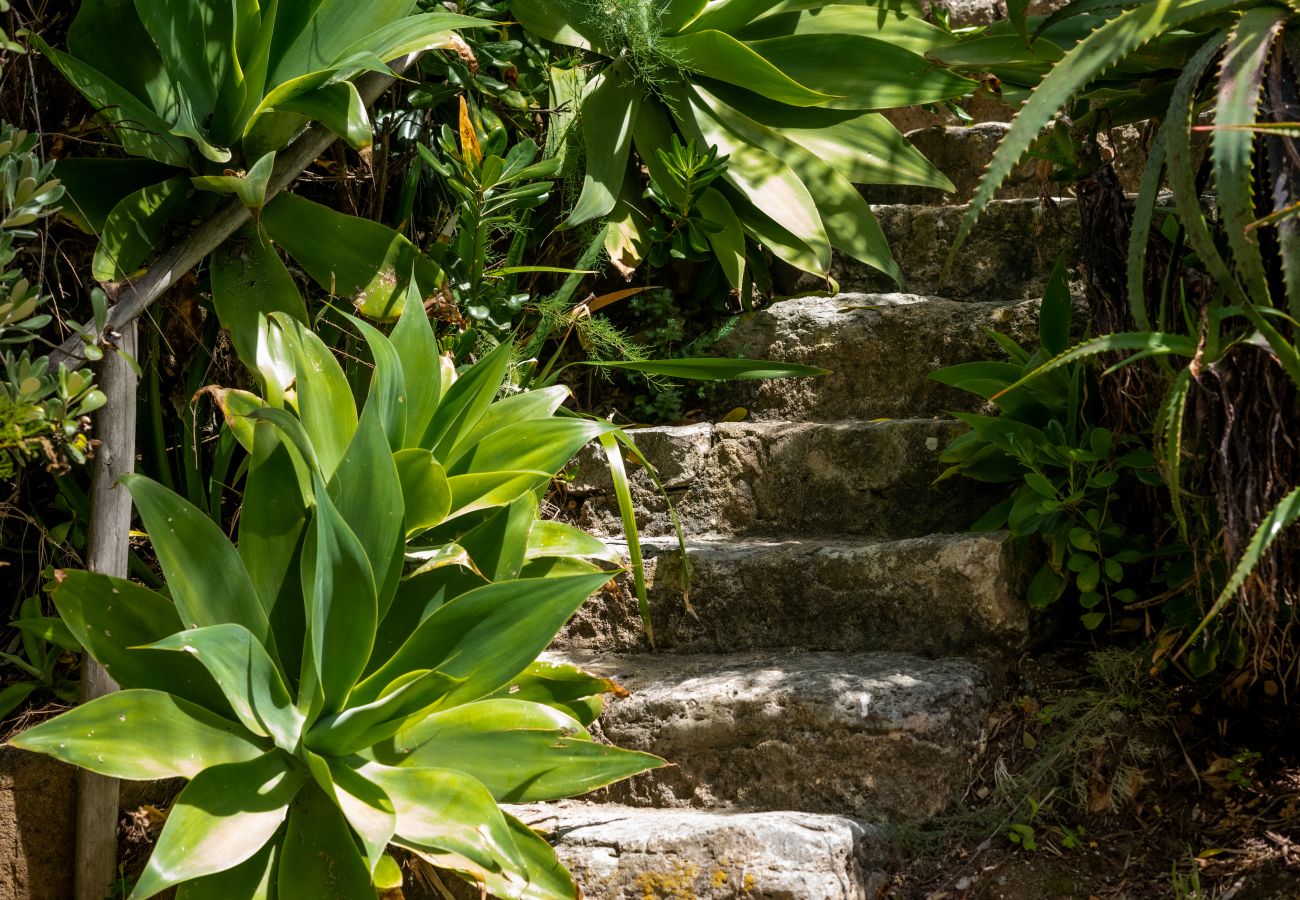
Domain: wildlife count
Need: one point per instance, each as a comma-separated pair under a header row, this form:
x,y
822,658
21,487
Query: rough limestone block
x,y
881,736
872,479
933,595
623,853
880,350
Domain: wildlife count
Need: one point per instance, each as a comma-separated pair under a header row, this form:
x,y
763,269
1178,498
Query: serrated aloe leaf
x,y
520,751
318,831
1089,58
1241,80
251,682
486,636
141,735
113,618
222,818
206,577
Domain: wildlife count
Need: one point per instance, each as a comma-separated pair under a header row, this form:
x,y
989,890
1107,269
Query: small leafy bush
x,y
359,668
1071,481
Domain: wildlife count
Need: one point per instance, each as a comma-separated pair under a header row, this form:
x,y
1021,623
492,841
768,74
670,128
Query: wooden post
x,y
110,524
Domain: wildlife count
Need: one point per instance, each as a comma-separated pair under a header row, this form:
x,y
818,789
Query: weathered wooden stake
x,y
110,524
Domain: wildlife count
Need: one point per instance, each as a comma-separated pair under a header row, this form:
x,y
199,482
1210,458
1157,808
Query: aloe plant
x,y
359,668
790,92
1127,56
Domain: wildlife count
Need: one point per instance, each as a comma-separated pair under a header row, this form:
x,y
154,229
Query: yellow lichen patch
x,y
678,884
749,883
719,878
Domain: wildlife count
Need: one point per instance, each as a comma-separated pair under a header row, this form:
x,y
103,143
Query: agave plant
x,y
787,91
359,669
201,95
1167,50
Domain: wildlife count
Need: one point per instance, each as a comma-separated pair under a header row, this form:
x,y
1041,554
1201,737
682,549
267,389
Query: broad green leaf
x,y
141,735
417,349
387,384
206,577
1241,79
192,37
340,594
325,405
714,368
545,877
486,636
360,727
254,878
139,130
414,33
677,14
1056,311
1088,59
728,241
317,831
249,187
356,258
764,178
608,112
134,229
542,445
367,493
447,811
506,413
328,37
222,818
249,281
484,490
113,618
560,21
251,682
108,35
547,538
426,495
911,33
465,402
719,55
497,545
338,107
882,76
439,557
520,751
94,186
367,808
562,686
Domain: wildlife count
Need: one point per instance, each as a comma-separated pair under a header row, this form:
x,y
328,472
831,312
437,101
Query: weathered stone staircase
x,y
846,636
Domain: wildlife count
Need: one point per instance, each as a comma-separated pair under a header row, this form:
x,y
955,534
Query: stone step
x,y
880,350
881,736
1007,257
934,595
626,853
871,479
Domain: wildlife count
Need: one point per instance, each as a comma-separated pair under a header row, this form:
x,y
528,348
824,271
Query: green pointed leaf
x,y
206,577
426,494
141,735
506,413
478,491
339,108
486,636
520,751
562,686
113,617
325,404
497,546
417,349
222,818
542,445
466,401
367,808
719,55
318,831
192,38
134,230
547,538
387,384
359,727
559,21
609,111
94,186
250,187
248,282
251,682
715,368
355,258
254,878
339,589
